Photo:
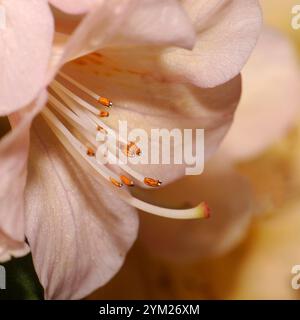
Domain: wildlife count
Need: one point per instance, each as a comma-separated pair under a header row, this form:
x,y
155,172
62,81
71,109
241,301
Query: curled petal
x,y
227,32
13,170
10,248
25,47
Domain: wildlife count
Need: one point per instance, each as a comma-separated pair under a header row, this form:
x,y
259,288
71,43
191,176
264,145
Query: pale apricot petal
x,y
79,231
75,7
13,158
230,199
158,23
227,32
147,102
270,99
131,22
25,47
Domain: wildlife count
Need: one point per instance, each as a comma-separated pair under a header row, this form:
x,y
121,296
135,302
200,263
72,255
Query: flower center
x,y
77,123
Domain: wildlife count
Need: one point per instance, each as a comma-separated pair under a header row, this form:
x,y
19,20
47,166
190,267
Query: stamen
x,y
74,146
104,101
83,120
127,181
69,97
116,183
76,120
152,182
69,115
55,85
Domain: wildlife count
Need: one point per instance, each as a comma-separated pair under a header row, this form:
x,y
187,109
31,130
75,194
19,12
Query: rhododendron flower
x,y
269,107
154,63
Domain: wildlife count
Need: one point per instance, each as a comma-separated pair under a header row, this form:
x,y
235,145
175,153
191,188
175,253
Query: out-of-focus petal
x,y
25,47
78,230
227,32
147,102
270,252
13,157
270,99
230,198
278,14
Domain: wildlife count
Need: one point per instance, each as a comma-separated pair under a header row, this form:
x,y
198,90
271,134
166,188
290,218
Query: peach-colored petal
x,y
130,22
270,99
230,199
146,103
13,157
157,23
227,32
74,7
79,231
25,47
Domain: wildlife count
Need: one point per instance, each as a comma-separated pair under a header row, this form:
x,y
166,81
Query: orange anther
x,y
152,182
115,182
90,152
127,181
105,102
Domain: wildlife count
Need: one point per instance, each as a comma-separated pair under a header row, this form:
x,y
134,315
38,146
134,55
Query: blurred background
x,y
249,246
